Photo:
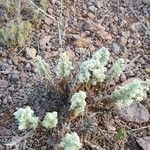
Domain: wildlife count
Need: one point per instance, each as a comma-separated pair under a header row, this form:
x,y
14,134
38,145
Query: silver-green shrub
x,y
147,2
71,141
117,68
102,55
78,102
50,120
26,118
42,68
64,66
133,91
93,71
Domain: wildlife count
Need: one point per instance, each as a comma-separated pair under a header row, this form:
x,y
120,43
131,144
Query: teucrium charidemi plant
x,y
71,141
147,2
26,118
78,102
117,68
50,120
64,66
133,91
102,55
42,68
93,71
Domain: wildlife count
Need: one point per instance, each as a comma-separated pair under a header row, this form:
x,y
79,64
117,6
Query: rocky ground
x,y
85,25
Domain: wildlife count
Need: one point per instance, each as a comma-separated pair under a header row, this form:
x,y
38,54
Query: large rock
x,y
136,112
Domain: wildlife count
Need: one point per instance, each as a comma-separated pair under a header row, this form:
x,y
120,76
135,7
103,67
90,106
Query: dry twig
x,y
46,14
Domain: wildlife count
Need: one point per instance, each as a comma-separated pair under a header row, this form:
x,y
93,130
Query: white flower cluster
x,y
26,118
71,141
93,71
50,120
42,68
133,91
117,68
78,102
64,66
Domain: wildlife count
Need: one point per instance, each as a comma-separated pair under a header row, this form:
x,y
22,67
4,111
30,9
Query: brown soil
x,y
86,26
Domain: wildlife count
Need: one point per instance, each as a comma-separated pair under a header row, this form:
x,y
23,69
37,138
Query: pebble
x,y
28,67
30,53
4,84
48,20
115,48
136,26
5,68
13,77
92,8
124,38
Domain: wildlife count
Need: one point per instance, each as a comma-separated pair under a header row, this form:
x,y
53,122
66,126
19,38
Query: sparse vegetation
x,y
147,2
26,118
90,100
42,68
78,103
71,141
64,66
121,135
131,92
92,72
19,17
50,120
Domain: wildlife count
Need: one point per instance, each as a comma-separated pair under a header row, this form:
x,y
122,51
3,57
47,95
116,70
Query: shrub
x,y
71,141
147,2
102,55
78,102
19,17
121,135
64,66
93,71
133,91
117,68
42,68
50,120
26,118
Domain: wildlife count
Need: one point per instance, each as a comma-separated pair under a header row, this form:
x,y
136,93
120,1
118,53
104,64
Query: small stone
x,y
47,20
92,8
45,41
71,54
99,4
136,26
5,68
144,142
30,52
111,128
115,48
91,15
124,38
28,67
104,35
4,131
85,26
13,77
4,84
